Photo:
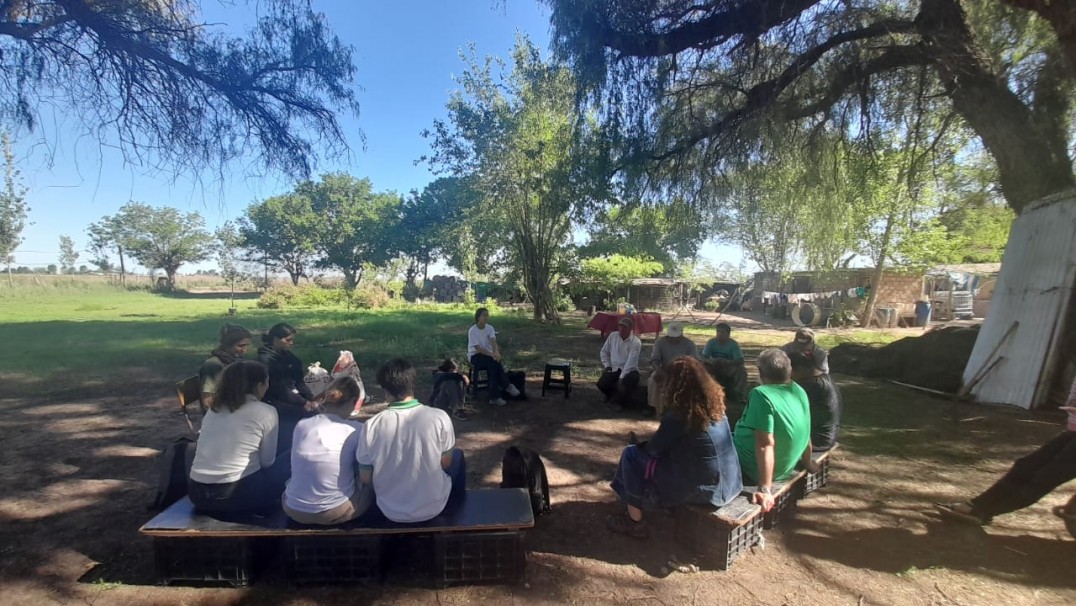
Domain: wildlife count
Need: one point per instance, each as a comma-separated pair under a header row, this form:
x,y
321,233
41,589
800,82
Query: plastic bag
x,y
347,367
317,379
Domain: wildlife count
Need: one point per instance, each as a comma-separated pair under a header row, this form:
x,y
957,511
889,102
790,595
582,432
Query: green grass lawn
x,y
57,338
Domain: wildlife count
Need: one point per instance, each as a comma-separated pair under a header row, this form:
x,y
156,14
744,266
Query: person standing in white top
x,y
485,354
235,466
620,364
407,452
323,488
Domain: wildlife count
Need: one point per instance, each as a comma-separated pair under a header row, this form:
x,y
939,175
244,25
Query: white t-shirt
x,y
233,445
482,337
323,464
403,444
621,354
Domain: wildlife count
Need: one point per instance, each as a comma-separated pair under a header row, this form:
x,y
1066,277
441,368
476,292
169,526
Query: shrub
x,y
369,297
711,305
281,296
564,303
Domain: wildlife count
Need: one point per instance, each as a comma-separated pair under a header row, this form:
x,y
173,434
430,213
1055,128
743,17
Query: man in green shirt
x,y
724,361
775,430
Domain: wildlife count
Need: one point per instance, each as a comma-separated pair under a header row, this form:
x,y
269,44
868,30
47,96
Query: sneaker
x,y
459,415
512,391
498,402
622,524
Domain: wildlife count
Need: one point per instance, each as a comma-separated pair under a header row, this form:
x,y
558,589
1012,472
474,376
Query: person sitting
x,y
485,354
407,451
724,360
236,468
1029,479
810,369
620,361
234,341
323,488
775,430
288,392
690,459
666,349
449,389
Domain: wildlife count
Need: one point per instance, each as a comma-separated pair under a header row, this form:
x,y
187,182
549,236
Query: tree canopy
x,y
153,78
161,237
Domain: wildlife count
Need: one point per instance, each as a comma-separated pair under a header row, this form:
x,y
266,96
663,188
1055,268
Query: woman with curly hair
x,y
691,458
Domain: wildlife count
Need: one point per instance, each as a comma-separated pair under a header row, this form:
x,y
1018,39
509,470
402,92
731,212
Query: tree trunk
x,y
351,280
295,275
123,267
879,269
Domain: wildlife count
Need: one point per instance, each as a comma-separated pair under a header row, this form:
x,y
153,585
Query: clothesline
x,y
859,292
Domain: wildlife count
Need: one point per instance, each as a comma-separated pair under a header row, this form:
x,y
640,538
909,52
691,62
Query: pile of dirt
x,y
935,359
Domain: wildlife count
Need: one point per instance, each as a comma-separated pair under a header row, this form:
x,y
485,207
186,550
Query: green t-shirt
x,y
782,410
729,351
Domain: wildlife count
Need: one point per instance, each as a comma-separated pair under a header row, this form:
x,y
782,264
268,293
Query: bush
x,y
369,297
564,303
711,305
281,296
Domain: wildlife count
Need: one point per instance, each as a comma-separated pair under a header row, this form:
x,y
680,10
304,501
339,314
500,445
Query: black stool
x,y
479,380
565,381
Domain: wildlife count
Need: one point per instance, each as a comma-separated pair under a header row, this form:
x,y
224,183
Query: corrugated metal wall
x,y
1034,288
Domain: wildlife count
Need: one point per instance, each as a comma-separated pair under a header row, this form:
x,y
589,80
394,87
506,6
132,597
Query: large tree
x,y
13,206
429,227
667,233
533,157
281,233
162,237
155,79
357,223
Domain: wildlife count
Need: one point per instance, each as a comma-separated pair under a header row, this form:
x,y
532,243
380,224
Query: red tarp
x,y
643,322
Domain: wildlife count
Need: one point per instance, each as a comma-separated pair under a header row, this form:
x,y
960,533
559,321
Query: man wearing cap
x,y
810,369
666,349
724,360
620,365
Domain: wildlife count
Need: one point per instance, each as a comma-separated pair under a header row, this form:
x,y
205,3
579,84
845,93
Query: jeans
x,y
257,493
1030,478
633,481
618,389
498,378
457,472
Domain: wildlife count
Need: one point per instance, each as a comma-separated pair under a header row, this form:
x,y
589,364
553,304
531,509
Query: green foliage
x,y
282,231
369,297
13,208
162,238
609,273
564,302
68,256
711,305
286,296
358,224
666,234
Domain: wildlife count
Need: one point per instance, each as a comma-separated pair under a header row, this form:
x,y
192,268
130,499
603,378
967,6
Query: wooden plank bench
x,y
718,536
475,540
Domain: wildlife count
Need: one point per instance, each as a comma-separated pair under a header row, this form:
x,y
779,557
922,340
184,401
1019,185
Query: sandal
x,y
622,524
960,512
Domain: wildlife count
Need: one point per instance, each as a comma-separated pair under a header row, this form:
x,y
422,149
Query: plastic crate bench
x,y
478,557
717,537
212,560
333,559
818,480
785,495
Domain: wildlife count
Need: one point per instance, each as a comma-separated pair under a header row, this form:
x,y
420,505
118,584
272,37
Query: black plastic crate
x,y
213,560
783,505
333,559
713,541
816,481
478,557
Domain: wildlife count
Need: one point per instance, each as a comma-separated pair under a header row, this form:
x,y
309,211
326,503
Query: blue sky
x,y
406,52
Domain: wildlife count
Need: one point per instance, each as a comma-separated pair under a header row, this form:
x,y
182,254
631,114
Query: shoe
x,y
512,391
960,512
498,402
459,415
622,524
633,439
614,406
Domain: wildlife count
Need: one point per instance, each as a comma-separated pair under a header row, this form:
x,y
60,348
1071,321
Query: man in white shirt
x,y
620,364
485,354
407,452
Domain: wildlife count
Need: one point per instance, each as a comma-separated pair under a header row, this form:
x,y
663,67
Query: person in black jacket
x,y
288,392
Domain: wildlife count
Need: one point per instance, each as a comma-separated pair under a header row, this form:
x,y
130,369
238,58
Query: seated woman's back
x,y
323,464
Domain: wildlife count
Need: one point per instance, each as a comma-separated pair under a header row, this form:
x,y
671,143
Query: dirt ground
x,y
76,477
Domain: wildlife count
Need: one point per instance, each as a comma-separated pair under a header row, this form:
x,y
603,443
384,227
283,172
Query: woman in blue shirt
x,y
691,458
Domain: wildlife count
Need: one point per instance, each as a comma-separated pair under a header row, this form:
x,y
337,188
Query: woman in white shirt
x,y
235,468
324,487
484,354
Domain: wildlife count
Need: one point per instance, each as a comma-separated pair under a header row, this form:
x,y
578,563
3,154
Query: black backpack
x,y
448,392
523,468
175,467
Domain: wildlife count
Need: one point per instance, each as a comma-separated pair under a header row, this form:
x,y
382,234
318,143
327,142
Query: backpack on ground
x,y
519,379
448,392
523,468
175,467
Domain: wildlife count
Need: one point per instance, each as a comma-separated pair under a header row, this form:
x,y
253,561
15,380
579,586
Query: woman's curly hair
x,y
690,391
